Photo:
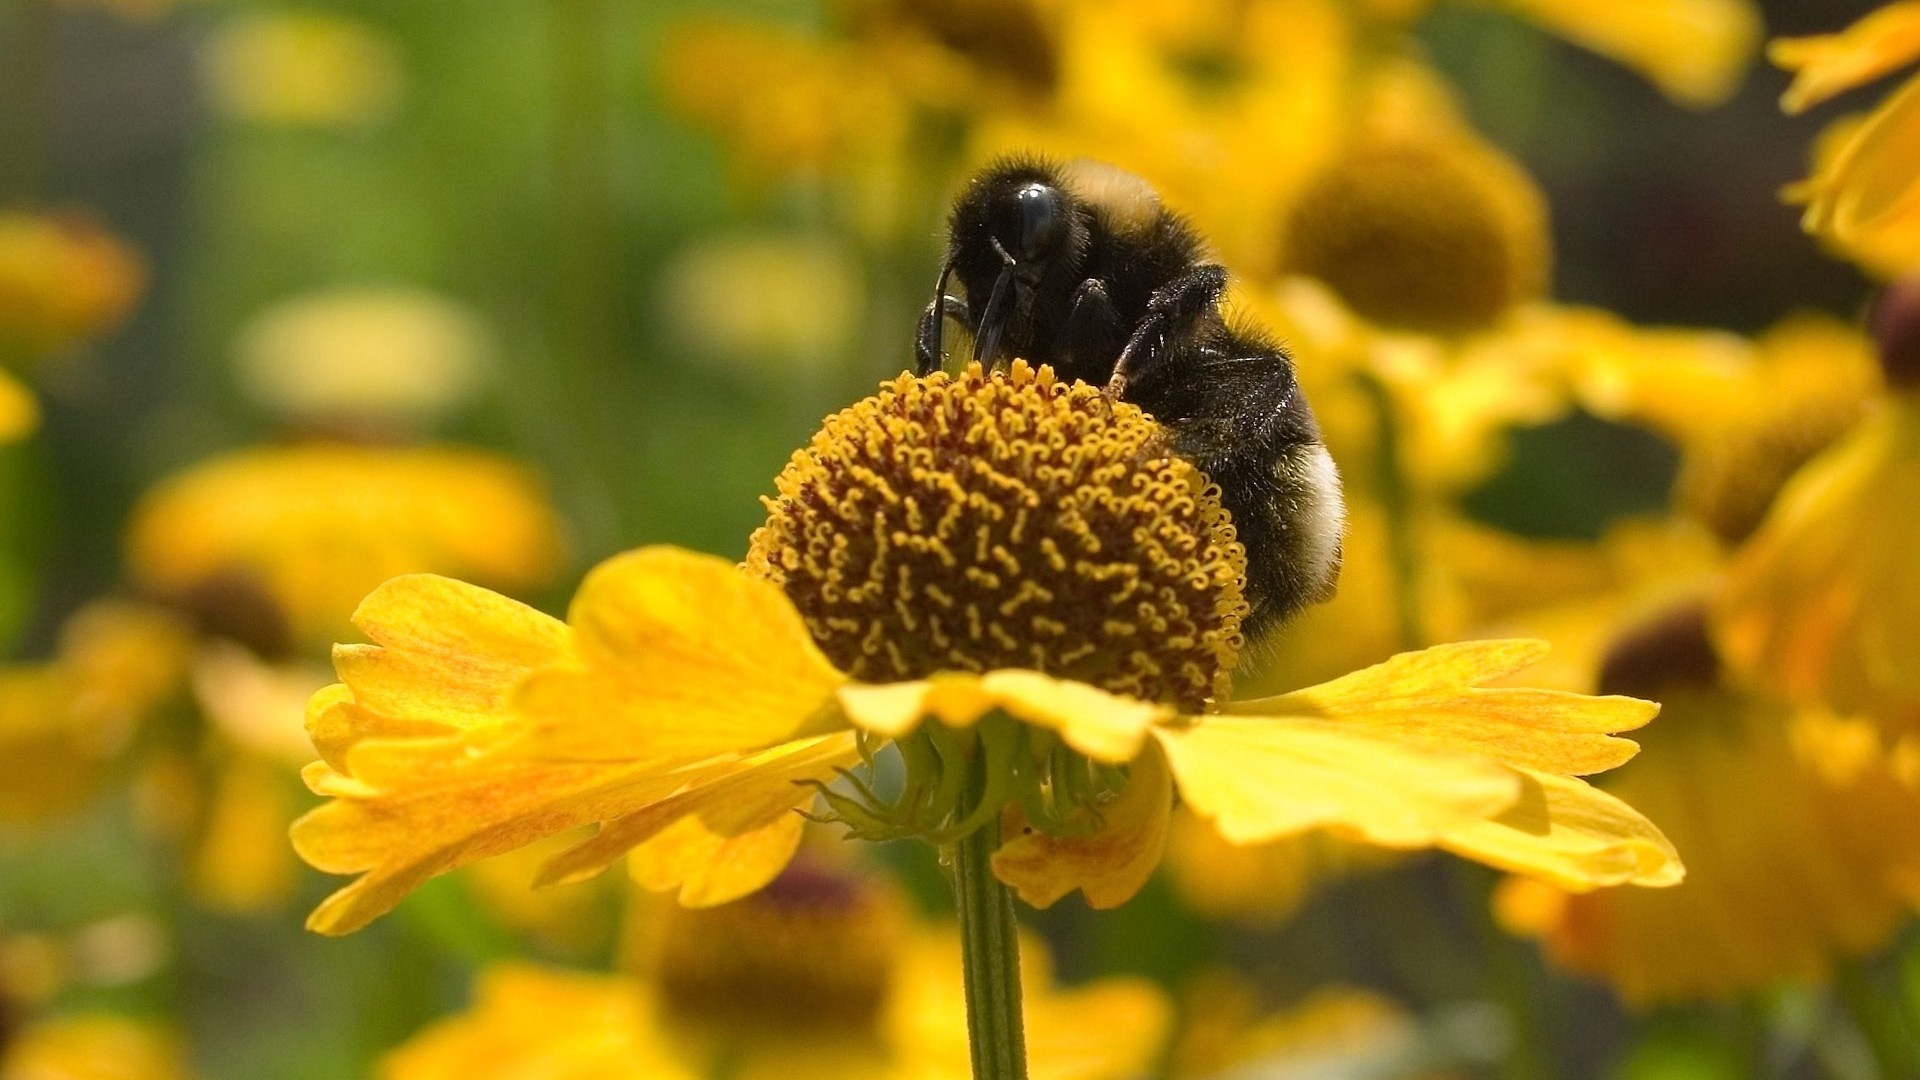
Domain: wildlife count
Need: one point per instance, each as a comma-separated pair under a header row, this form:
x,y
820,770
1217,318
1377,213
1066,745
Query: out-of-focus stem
x,y
25,41
990,954
1876,1011
1396,504
585,335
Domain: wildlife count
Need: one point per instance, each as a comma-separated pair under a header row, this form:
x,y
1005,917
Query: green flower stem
x,y
1396,503
990,952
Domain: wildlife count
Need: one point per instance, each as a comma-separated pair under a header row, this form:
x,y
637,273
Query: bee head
x,y
1017,235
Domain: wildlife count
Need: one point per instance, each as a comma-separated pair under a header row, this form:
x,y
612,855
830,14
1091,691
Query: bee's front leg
x,y
1173,308
927,355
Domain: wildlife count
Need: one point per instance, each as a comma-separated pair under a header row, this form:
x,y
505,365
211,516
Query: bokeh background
x,y
503,289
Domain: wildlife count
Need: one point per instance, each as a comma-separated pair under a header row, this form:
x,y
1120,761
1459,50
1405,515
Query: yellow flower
x,y
317,525
64,280
1264,883
1334,1031
727,297
1822,605
19,414
820,976
359,354
62,721
1048,593
1840,810
1863,196
303,68
94,1046
1695,51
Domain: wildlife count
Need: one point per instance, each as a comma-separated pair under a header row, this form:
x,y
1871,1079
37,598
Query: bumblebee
x,y
1080,266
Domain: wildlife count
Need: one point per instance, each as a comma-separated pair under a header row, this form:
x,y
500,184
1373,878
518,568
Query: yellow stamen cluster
x,y
1008,520
1438,235
815,950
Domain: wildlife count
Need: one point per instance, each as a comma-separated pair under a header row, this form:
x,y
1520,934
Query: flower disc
x,y
1008,520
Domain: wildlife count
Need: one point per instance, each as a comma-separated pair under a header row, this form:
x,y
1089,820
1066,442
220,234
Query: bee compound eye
x,y
1042,220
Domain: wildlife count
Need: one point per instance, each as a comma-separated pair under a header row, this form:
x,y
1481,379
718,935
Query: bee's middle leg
x,y
1173,308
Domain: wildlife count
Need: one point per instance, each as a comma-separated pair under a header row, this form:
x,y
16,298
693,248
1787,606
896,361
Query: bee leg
x,y
1091,335
1171,309
927,357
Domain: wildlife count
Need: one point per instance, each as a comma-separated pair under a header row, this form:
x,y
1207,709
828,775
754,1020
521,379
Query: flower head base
x,y
1008,521
1430,234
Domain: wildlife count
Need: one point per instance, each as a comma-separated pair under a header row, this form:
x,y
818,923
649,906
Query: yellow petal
x,y
1103,726
1866,196
1830,64
455,808
1428,699
1265,777
894,709
1696,51
445,650
1110,865
1571,834
730,830
1106,1030
682,655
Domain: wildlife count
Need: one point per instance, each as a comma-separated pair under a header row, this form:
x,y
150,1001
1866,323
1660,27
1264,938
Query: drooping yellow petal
x,y
1429,699
1863,198
1576,836
728,832
1696,51
442,808
678,669
682,655
1108,865
1103,726
1829,64
1259,778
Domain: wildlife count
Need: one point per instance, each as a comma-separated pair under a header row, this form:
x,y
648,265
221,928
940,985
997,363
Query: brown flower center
x,y
813,952
998,520
1439,236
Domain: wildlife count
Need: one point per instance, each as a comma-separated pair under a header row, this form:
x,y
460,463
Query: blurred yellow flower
x,y
1864,194
790,104
1333,1032
1262,883
364,354
1823,606
317,525
303,68
94,1046
1841,809
64,280
752,988
734,297
19,414
683,699
63,720
1695,51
